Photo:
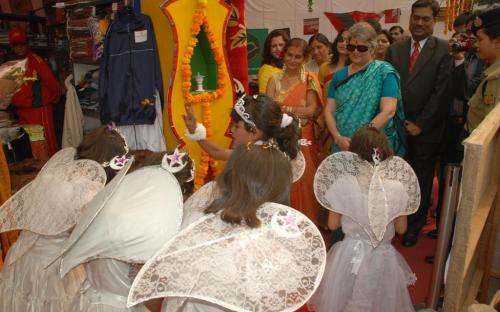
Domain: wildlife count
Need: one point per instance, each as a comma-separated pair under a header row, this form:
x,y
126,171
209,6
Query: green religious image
x,y
203,65
255,43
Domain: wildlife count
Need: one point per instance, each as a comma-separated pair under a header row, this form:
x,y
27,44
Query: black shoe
x,y
409,240
429,259
433,234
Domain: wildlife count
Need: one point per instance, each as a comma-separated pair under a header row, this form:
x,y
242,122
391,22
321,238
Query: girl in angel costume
x,y
46,210
240,247
253,118
369,193
256,118
124,225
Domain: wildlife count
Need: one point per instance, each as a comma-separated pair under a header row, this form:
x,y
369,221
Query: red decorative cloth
x,y
236,44
343,21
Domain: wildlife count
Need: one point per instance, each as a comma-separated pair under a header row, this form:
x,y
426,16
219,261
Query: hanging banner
x,y
392,16
311,26
345,20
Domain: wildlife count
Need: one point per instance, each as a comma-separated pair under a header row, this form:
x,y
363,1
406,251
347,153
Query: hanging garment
x,y
149,137
73,117
130,72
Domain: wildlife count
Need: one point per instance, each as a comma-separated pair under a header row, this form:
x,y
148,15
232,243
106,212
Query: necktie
x,y
414,55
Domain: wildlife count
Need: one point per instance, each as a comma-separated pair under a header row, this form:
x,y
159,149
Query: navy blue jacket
x,y
129,71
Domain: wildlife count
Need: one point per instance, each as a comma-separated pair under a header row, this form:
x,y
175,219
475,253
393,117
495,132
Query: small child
x,y
253,118
125,225
240,247
369,192
45,211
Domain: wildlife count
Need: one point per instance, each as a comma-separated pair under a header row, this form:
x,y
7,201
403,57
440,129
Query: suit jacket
x,y
427,89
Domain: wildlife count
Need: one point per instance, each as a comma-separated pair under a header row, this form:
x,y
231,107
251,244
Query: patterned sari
x,y
358,102
302,196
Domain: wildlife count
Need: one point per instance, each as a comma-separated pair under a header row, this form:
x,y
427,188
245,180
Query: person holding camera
x,y
466,75
486,27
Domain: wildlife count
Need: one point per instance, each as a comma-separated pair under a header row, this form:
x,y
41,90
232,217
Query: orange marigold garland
x,y
200,19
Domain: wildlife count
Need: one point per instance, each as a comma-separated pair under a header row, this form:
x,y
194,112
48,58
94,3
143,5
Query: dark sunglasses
x,y
360,48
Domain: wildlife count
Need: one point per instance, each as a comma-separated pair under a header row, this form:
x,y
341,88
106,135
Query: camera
x,y
464,45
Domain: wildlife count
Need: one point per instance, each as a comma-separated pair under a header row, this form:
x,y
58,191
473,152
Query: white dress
x,y
27,286
381,278
106,288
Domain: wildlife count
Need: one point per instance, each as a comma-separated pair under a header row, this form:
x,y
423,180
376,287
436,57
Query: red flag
x,y
345,20
392,15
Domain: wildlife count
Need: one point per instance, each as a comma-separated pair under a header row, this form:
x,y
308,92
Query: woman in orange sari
x,y
299,92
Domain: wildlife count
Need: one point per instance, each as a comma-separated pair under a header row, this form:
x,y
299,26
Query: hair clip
x,y
169,162
304,142
239,107
286,120
376,155
192,174
117,162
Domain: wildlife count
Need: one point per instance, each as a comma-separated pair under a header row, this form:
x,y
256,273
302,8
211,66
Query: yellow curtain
x,y
8,238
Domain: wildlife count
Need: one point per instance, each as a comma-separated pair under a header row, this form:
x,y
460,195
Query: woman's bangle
x,y
200,133
337,136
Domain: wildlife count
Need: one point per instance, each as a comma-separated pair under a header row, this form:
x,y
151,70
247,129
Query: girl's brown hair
x,y
366,139
101,145
253,175
145,158
266,114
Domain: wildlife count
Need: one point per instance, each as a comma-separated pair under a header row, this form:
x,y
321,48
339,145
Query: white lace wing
x,y
298,166
53,201
276,267
92,209
144,212
337,178
394,191
195,205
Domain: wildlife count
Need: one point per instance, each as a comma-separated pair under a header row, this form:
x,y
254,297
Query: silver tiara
x,y
240,110
117,162
174,162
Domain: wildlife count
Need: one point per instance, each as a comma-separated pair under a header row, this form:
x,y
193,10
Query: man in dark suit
x,y
425,67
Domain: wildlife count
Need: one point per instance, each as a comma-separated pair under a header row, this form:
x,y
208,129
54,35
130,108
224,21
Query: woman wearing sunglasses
x,y
365,92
